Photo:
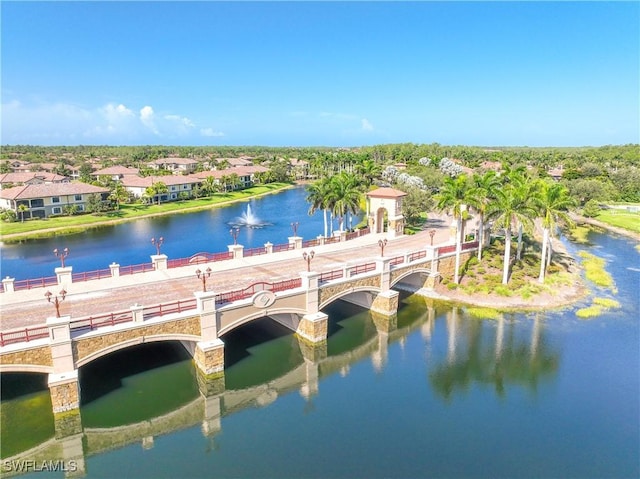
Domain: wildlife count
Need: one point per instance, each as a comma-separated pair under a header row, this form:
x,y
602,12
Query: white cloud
x,y
210,132
115,123
366,125
147,119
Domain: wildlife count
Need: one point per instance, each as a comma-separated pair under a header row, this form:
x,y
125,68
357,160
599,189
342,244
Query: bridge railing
x,y
107,319
35,283
310,243
90,275
136,268
363,268
237,295
332,239
255,251
23,335
283,247
169,308
329,275
199,258
397,260
417,255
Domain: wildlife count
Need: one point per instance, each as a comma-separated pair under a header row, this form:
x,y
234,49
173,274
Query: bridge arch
x,y
361,295
288,317
25,368
134,342
400,275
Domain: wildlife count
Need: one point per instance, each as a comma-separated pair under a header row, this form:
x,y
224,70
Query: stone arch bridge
x,y
63,345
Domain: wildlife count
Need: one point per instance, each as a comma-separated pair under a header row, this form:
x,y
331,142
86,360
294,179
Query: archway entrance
x,y
387,200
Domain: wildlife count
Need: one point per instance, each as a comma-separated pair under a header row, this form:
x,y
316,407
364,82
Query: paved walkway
x,y
29,307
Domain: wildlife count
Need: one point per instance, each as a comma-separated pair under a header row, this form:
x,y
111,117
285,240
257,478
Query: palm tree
x,y
480,196
344,196
369,170
157,189
118,195
317,197
209,185
453,196
513,206
22,208
553,202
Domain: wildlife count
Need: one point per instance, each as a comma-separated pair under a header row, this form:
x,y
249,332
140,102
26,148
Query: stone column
x,y
65,275
65,401
313,327
296,241
8,285
310,283
115,270
432,280
384,268
268,246
320,239
343,235
237,250
209,357
206,307
159,261
386,302
137,312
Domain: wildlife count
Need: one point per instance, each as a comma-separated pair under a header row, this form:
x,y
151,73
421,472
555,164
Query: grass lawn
x,y
69,224
621,218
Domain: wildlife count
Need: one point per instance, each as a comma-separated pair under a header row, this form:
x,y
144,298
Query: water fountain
x,y
248,219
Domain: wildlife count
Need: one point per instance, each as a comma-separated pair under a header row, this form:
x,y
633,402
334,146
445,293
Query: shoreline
x,y
600,224
70,230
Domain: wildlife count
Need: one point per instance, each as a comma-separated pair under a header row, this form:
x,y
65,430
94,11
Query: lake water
x,y
537,395
184,235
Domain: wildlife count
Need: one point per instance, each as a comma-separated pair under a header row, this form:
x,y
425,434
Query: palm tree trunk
x,y
519,249
326,225
480,237
550,251
458,249
543,260
507,255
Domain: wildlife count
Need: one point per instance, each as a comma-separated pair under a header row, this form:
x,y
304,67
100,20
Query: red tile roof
x,y
50,189
386,193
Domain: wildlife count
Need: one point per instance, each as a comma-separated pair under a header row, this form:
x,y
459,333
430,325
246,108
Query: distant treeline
x,y
606,173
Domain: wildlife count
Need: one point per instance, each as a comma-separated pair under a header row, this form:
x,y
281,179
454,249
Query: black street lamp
x,y
61,254
203,275
157,242
308,257
56,301
294,225
432,234
382,244
234,234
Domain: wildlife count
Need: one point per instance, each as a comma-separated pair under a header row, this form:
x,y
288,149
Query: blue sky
x,y
320,73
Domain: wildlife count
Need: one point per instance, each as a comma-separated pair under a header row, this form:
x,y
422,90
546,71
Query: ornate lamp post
x,y
61,254
56,301
203,275
382,243
432,234
234,234
157,242
294,226
308,257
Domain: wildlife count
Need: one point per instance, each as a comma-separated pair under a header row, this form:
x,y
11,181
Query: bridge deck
x,y
29,307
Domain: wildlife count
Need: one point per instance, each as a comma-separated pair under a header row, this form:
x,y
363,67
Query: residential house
x,y
46,199
33,178
175,165
116,173
137,185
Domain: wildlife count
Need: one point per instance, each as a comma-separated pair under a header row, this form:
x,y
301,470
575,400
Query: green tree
x,y
511,208
369,170
118,195
22,209
553,202
453,196
318,199
481,195
344,196
156,190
